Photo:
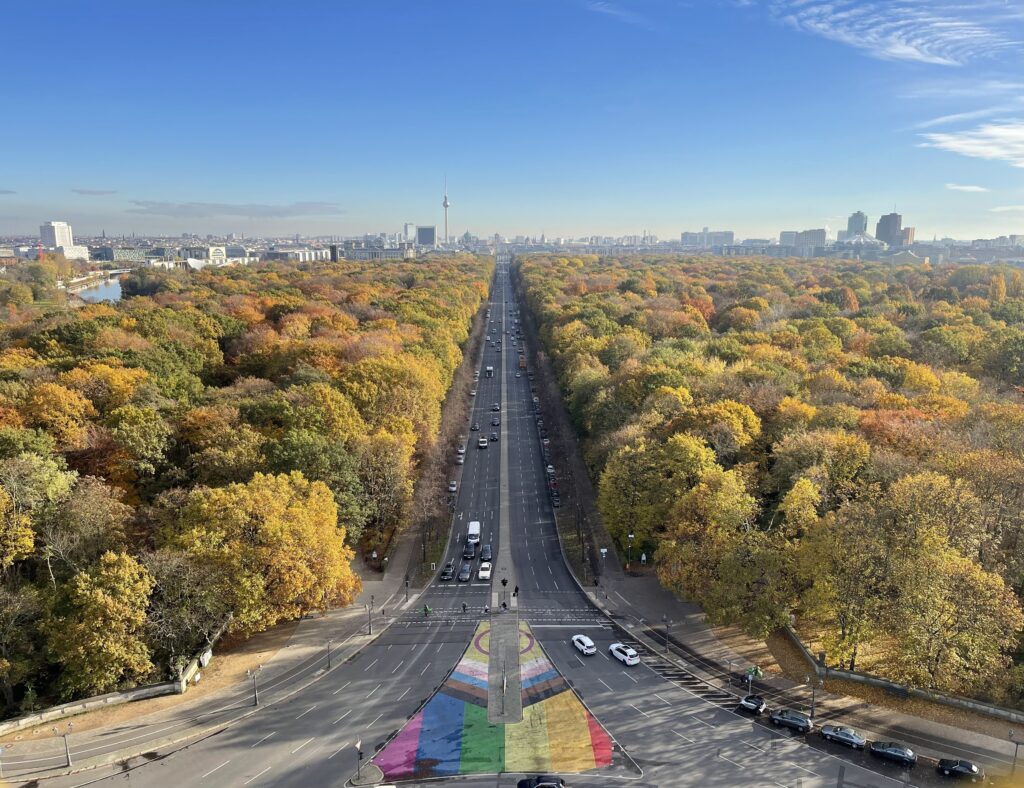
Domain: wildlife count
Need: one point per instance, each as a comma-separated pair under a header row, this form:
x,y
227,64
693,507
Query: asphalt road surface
x,y
677,735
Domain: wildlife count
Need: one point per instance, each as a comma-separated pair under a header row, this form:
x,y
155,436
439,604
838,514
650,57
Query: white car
x,y
461,450
460,459
484,572
472,392
453,486
482,443
624,654
584,645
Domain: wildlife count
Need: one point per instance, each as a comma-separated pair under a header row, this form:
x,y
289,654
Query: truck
x,y
473,534
522,361
489,371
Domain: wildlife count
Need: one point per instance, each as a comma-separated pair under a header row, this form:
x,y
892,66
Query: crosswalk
x,y
542,616
683,678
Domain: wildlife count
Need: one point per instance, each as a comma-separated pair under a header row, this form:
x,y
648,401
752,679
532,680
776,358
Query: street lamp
x,y
369,620
255,690
329,642
629,551
814,687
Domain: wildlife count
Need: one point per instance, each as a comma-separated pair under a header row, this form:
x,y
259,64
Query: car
x,y
476,376
484,572
448,572
754,703
496,408
472,392
894,751
960,769
550,470
496,422
453,486
475,427
461,449
584,645
494,436
624,654
794,720
556,501
541,781
843,735
485,553
465,574
482,443
469,550
519,374
460,459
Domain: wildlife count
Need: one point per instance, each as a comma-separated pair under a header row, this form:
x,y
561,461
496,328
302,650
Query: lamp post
x,y
667,622
255,690
1016,746
629,551
329,642
814,687
406,586
369,620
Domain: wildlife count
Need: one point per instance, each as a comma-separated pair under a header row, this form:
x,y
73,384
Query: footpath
x,y
319,643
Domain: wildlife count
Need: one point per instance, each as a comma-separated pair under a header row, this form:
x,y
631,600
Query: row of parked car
x,y
841,734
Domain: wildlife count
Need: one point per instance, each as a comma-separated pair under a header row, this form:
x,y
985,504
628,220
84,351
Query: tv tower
x,y
445,204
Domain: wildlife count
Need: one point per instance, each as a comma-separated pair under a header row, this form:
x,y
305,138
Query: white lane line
x,y
343,716
263,739
398,666
730,760
374,689
307,711
641,711
215,769
667,703
635,681
370,665
605,683
754,746
698,719
375,720
424,668
578,658
256,777
681,736
404,693
307,741
341,688
342,747
440,646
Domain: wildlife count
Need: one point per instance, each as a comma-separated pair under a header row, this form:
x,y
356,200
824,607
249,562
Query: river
x,y
104,290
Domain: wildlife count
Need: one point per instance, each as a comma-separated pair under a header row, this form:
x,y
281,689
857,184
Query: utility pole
x,y
255,690
329,642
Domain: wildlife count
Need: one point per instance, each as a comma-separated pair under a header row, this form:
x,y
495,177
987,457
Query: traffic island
x,y
453,735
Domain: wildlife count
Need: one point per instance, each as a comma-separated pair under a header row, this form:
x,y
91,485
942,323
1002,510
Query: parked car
x,y
466,573
894,751
541,781
460,459
753,703
843,735
624,654
448,572
485,553
453,486
461,449
472,392
960,769
584,645
484,572
519,374
791,719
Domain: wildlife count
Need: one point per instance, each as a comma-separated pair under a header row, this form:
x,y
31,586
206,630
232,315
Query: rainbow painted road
x,y
451,735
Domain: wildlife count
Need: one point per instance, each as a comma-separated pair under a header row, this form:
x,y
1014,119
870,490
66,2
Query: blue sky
x,y
555,116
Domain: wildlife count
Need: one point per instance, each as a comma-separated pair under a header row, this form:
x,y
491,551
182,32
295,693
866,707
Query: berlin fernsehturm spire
x,y
445,205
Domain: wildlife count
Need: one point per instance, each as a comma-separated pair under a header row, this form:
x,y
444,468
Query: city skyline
x,y
709,114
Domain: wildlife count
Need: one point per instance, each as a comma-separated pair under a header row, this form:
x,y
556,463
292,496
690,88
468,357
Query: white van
x,y
473,535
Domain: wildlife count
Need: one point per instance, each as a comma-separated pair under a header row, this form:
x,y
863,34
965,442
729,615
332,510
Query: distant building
x,y
426,236
56,234
117,254
708,239
298,254
890,229
811,238
857,224
906,258
409,232
907,237
74,252
788,238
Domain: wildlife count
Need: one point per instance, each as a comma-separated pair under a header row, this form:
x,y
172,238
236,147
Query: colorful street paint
x,y
451,735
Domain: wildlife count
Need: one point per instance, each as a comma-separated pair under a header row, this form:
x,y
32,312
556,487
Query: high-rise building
x,y
409,232
907,237
890,229
811,238
426,236
857,224
788,238
56,234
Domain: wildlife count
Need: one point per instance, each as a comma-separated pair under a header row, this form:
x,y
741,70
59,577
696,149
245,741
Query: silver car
x,y
843,735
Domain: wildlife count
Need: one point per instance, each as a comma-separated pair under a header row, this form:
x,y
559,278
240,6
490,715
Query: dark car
x,y
475,427
494,436
496,408
486,553
448,572
843,735
469,551
466,573
541,781
894,751
791,719
961,770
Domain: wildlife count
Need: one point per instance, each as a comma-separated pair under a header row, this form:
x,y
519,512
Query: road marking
x,y
370,665
681,736
578,658
263,739
440,646
257,776
343,716
374,689
307,741
698,719
662,699
641,711
606,684
341,688
375,720
307,711
404,693
635,681
215,769
424,668
342,747
754,746
730,760
398,666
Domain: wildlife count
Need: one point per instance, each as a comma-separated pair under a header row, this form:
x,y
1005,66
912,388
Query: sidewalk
x,y
301,661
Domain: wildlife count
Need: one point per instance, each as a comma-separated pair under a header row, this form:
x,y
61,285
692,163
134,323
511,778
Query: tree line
x,y
215,445
840,442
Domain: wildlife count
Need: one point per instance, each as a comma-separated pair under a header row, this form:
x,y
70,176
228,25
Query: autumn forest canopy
x,y
841,442
215,446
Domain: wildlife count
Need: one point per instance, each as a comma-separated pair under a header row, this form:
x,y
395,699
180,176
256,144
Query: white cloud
x,y
959,187
958,117
994,141
1008,209
619,13
939,32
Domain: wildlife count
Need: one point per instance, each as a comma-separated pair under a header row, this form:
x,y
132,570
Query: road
x,y
677,732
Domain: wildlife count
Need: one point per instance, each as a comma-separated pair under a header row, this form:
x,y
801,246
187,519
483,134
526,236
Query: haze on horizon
x,y
564,117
